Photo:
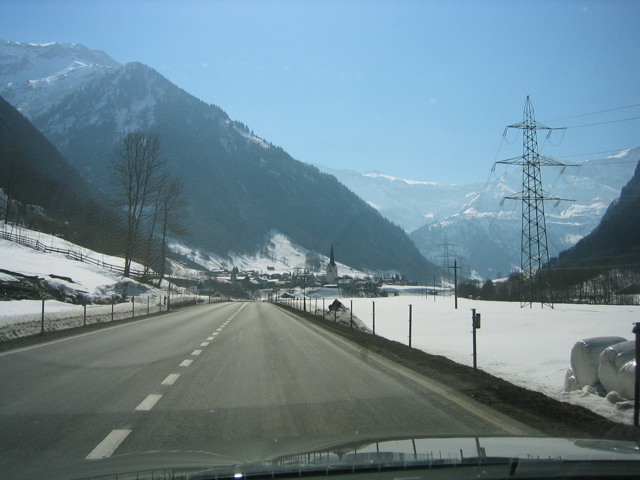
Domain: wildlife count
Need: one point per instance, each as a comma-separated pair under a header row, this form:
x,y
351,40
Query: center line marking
x,y
148,403
209,338
196,352
186,363
107,446
204,344
171,379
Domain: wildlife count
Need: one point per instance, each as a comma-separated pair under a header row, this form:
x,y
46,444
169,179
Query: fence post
x,y
410,321
351,312
374,317
636,399
474,320
42,320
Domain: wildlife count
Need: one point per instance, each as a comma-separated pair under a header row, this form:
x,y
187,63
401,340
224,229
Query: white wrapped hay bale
x,y
627,377
611,362
570,382
585,358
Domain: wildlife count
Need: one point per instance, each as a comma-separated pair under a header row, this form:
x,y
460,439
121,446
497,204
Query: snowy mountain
x,y
34,76
616,239
409,204
482,230
239,186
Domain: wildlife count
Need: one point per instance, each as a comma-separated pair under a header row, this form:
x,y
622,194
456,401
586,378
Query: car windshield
x,y
291,237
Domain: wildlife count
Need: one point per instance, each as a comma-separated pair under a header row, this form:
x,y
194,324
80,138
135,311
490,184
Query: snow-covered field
x,y
529,347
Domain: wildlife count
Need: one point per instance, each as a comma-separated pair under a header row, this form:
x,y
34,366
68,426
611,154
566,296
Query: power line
x,y
603,123
596,153
593,113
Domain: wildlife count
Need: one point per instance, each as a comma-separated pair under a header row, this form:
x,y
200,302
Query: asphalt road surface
x,y
234,381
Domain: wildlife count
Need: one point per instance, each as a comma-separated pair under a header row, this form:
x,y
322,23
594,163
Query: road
x,y
236,380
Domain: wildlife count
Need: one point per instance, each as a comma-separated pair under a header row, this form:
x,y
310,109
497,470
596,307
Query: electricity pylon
x,y
446,274
534,252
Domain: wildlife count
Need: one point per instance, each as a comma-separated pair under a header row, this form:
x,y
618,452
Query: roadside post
x,y
112,303
351,314
475,322
410,321
133,306
42,320
636,395
374,317
84,313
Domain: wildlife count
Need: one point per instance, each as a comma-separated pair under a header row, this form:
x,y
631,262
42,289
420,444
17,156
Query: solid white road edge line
x,y
171,379
149,402
107,446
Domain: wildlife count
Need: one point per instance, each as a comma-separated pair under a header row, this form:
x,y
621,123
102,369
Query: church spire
x,y
332,269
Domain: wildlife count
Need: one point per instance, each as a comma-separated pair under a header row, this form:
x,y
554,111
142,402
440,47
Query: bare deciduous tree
x,y
170,213
137,171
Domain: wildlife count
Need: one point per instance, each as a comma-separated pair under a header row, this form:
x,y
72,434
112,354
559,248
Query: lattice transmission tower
x,y
534,252
446,265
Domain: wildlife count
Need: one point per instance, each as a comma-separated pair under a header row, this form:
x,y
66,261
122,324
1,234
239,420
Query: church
x,y
332,269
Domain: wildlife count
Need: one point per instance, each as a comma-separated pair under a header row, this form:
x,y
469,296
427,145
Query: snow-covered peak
x,y
24,62
52,69
376,174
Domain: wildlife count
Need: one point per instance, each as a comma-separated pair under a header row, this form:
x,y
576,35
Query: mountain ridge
x,y
481,230
239,187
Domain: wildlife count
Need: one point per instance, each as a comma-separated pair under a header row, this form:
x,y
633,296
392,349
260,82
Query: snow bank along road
x,y
211,379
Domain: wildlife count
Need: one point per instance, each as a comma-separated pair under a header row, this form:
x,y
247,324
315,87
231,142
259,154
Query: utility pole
x,y
455,281
534,252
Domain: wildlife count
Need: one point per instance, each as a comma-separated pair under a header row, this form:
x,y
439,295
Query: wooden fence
x,y
73,255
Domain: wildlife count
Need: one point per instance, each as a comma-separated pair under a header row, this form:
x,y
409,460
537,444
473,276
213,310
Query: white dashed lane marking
x,y
171,379
107,446
116,437
149,402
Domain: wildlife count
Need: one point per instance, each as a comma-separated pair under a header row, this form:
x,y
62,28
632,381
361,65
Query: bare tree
x,y
137,171
171,212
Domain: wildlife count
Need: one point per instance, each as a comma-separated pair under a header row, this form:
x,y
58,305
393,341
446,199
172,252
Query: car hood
x,y
504,457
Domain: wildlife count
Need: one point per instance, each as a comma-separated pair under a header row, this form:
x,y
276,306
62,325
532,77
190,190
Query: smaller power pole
x,y
455,281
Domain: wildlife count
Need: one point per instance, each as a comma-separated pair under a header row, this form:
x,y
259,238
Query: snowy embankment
x,y
529,347
23,317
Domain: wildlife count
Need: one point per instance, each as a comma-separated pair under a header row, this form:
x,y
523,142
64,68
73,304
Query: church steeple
x,y
332,269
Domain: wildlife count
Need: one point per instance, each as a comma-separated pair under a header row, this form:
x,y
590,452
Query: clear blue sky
x,y
416,89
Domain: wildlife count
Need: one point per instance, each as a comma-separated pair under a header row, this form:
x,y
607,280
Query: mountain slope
x,y
32,172
239,187
616,240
